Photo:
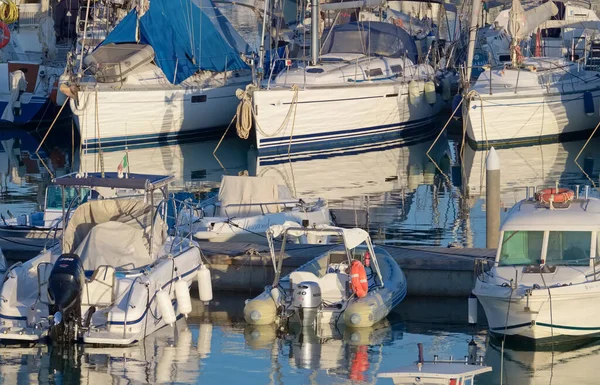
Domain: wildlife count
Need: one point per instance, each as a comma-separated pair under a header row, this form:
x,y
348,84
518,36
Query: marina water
x,y
421,194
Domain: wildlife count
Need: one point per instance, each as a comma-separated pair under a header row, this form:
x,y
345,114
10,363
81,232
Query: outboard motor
x,y
65,285
307,299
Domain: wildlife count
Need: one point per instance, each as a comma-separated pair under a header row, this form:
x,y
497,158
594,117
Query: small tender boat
x,y
544,281
333,288
247,206
442,372
113,277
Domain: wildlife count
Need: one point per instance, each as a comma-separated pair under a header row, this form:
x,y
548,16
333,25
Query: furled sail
x,y
521,23
186,35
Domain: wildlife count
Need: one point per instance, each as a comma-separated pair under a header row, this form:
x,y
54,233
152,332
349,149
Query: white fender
x,y
204,284
184,301
165,307
430,95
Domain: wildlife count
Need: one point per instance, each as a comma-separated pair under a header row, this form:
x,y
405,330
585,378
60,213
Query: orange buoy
x,y
360,285
5,34
561,195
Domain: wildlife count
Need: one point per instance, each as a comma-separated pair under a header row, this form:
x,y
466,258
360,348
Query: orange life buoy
x,y
560,195
5,38
360,285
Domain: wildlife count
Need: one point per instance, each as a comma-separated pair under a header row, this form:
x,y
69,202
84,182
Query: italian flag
x,y
124,164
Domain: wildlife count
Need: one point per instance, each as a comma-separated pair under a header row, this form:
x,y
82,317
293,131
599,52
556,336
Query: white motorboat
x,y
364,85
438,371
166,74
246,207
113,277
544,281
548,93
332,288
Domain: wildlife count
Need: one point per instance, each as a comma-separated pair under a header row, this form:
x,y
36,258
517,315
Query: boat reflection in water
x,y
571,364
351,354
537,165
169,355
391,190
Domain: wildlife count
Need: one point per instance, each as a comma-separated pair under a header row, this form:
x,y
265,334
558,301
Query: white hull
x,y
122,323
138,117
331,117
514,119
572,311
531,105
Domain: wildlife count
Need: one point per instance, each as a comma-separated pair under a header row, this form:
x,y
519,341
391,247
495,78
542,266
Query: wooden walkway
x,y
430,271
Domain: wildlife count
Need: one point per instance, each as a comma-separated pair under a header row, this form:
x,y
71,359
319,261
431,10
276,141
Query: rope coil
x,y
9,12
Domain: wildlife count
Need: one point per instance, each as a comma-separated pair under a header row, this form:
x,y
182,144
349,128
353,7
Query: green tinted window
x,y
569,248
521,248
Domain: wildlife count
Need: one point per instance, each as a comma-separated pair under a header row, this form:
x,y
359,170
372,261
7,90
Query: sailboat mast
x,y
472,37
314,33
513,21
261,61
137,23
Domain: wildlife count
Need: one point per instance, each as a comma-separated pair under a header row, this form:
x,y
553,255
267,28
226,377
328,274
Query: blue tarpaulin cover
x,y
186,35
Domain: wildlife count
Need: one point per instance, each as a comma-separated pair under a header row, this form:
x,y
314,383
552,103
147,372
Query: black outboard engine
x,y
65,285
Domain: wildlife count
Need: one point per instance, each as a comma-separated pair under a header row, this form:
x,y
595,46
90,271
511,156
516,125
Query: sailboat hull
x,y
111,119
334,117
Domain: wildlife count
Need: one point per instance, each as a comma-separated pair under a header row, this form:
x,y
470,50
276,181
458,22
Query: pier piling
x,y
492,199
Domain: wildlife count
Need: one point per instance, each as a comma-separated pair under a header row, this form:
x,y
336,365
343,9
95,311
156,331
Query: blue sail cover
x,y
186,35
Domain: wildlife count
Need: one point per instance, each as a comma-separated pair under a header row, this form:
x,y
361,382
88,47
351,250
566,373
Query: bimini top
x,y
111,179
370,38
352,237
531,215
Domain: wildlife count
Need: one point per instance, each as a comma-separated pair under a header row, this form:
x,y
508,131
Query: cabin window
x,y
198,98
468,381
521,248
569,248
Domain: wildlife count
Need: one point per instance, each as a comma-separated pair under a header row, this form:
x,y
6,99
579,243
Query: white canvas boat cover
x,y
247,191
114,232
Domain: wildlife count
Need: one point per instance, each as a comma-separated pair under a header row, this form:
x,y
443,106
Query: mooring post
x,y
492,199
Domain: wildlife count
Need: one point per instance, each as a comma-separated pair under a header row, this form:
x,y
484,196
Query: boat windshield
x,y
54,197
564,248
521,248
569,248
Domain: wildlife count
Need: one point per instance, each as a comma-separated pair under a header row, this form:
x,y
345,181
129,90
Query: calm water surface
x,y
399,194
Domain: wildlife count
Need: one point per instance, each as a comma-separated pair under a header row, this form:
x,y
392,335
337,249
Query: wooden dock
x,y
430,271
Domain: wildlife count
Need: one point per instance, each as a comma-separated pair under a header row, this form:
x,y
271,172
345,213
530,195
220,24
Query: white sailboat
x,y
34,43
167,73
362,84
550,93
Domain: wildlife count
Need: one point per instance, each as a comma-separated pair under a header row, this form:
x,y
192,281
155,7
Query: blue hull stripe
x,y
419,131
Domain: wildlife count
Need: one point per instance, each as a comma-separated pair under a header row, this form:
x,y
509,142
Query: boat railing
x,y
42,280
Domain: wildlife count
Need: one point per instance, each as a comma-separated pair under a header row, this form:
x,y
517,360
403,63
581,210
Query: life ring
x,y
360,285
5,34
562,195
